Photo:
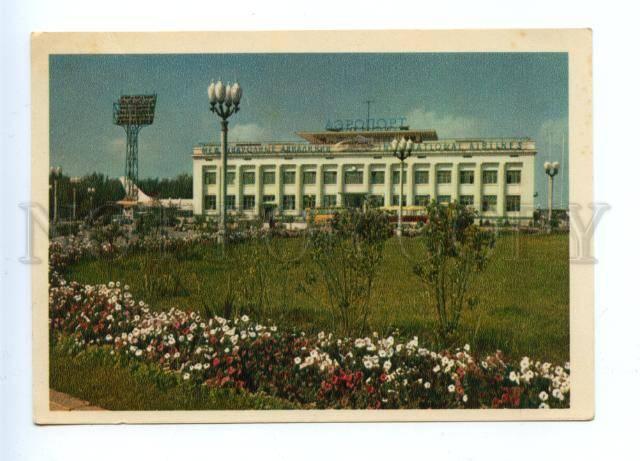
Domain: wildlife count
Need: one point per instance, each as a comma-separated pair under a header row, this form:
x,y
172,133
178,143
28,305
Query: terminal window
x,y
248,177
421,177
210,202
353,177
513,203
377,177
289,202
444,199
489,177
309,201
248,202
269,198
269,177
422,200
330,177
231,177
466,177
466,200
230,202
309,177
444,177
289,177
489,203
209,177
329,201
396,200
396,177
513,177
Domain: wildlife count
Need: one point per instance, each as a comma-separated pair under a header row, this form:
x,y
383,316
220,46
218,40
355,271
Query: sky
x,y
457,94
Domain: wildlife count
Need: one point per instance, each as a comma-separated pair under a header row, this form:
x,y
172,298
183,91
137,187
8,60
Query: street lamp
x,y
75,180
402,151
224,101
91,191
551,169
55,172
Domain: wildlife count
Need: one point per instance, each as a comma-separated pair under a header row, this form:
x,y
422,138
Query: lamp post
x,y
55,172
75,180
224,101
91,191
551,169
402,151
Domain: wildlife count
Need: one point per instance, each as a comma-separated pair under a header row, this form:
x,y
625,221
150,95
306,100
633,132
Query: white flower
x,y
382,353
543,396
297,360
467,347
427,385
197,366
544,406
465,398
367,363
321,335
436,368
387,365
244,318
186,376
451,388
138,353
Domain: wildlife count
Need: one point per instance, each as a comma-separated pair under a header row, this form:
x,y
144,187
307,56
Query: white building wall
x,y
343,162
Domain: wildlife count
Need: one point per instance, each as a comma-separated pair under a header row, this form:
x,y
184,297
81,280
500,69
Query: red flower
x,y
216,362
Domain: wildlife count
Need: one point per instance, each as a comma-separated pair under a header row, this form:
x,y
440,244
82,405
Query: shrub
x,y
348,256
456,251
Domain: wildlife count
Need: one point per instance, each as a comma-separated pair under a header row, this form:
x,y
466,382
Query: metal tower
x,y
133,113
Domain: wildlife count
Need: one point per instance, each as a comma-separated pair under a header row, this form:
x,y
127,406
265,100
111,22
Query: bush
x,y
348,256
456,251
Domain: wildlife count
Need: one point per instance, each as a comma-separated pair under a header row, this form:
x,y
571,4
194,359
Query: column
x,y
500,189
239,189
319,185
279,188
340,186
433,187
410,182
477,185
299,189
366,178
455,180
258,188
219,179
388,185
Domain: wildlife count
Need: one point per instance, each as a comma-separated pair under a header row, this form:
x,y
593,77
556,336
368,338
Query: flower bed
x,y
319,371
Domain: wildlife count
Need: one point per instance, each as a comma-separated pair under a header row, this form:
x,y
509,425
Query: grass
x,y
96,377
523,296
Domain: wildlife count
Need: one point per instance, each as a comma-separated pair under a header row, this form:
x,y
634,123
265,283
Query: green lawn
x,y
523,295
97,378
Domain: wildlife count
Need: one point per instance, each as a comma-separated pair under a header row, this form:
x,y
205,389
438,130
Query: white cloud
x,y
446,125
248,132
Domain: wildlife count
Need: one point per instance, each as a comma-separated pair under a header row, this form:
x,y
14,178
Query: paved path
x,y
59,401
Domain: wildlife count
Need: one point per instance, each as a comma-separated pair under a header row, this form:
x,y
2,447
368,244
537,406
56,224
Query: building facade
x,y
345,168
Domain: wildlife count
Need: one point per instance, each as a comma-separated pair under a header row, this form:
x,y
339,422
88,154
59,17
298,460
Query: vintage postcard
x,y
312,226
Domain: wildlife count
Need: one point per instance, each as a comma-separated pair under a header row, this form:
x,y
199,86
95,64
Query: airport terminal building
x,y
340,168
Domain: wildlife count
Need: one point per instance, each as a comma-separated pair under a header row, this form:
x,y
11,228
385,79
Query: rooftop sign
x,y
506,144
358,124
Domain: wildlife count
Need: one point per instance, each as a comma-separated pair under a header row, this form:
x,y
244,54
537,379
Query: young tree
x,y
457,250
348,255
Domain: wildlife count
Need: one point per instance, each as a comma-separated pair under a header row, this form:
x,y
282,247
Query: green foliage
x,y
523,295
456,250
348,256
